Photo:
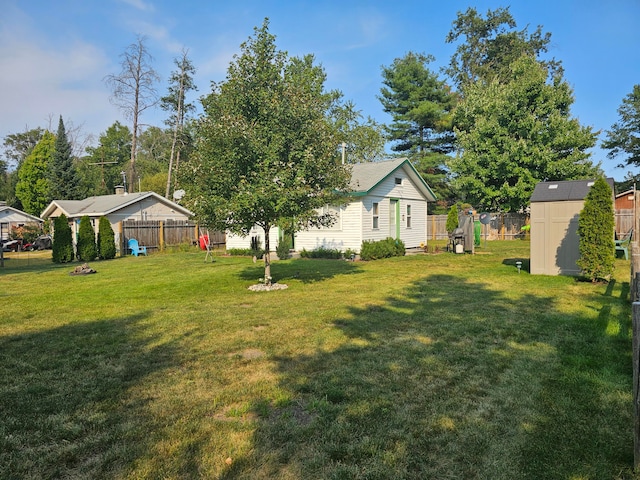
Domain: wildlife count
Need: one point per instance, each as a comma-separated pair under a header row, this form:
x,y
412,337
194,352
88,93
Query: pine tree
x,y
86,241
63,178
106,240
62,241
595,228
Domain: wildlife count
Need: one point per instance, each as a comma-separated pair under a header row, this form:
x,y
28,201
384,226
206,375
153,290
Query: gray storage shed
x,y
555,209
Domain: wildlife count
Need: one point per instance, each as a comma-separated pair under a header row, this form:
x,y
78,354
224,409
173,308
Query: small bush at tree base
x,y
87,250
106,240
62,247
245,252
374,250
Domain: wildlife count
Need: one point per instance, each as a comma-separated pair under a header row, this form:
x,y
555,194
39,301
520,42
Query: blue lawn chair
x,y
135,248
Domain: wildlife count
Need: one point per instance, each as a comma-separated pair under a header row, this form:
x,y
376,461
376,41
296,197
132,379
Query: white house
x,y
12,217
388,199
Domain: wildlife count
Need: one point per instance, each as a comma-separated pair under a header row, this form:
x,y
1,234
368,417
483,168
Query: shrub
x,y
244,252
87,250
595,228
321,252
27,233
106,240
452,218
62,247
282,250
374,250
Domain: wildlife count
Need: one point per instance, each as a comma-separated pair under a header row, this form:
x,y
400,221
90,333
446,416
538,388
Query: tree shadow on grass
x,y
65,409
301,269
454,380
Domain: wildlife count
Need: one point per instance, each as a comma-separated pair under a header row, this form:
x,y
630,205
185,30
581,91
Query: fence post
x,y
121,234
635,318
161,236
433,227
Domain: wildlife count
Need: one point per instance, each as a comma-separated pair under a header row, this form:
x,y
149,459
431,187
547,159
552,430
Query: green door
x,y
394,219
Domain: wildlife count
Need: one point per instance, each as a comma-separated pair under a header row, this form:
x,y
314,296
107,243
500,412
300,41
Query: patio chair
x,y
622,244
135,248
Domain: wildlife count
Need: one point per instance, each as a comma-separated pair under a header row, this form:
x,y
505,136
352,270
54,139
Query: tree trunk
x,y
267,256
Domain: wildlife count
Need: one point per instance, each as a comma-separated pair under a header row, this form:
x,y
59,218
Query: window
x,y
408,216
336,213
398,181
374,212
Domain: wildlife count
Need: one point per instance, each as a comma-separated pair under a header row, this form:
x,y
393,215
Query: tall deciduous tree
x,y
491,45
63,178
33,187
100,170
624,136
17,146
514,134
133,91
180,82
267,148
420,105
360,139
595,228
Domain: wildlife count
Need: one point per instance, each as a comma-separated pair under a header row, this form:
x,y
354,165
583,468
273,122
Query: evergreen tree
x,y
86,241
106,240
62,248
596,228
421,105
452,218
63,178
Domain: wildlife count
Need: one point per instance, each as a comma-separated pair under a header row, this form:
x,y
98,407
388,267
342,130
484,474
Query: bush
x,y
106,240
321,252
62,247
596,228
245,252
282,250
87,250
452,218
27,233
374,250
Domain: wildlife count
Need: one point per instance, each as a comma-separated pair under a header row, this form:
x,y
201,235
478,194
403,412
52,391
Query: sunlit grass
x,y
425,366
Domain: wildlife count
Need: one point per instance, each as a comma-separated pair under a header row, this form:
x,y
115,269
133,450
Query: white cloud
x,y
41,81
140,5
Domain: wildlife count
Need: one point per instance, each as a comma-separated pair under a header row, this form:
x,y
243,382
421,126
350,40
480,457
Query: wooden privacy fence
x,y
503,226
624,221
160,234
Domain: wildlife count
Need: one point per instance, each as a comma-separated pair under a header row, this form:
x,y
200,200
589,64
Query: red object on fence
x,y
204,241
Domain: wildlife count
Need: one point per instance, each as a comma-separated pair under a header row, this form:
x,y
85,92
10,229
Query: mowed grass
x,y
422,367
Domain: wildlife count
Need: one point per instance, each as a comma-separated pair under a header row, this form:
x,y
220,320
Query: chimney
x,y
119,190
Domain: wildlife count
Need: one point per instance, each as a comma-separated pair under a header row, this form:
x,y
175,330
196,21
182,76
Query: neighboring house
x,y
624,200
117,208
388,199
12,218
555,210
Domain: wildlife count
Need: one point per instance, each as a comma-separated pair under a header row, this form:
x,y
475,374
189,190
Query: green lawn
x,y
422,367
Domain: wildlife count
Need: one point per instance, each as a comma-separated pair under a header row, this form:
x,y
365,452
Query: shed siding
x,y
554,238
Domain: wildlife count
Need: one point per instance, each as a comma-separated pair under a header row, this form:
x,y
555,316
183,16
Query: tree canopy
x,y
267,149
63,178
420,105
33,187
624,137
515,133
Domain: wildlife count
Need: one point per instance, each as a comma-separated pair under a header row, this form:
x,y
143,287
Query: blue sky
x,y
54,55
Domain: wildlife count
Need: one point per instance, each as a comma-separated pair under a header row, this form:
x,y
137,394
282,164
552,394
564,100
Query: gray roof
x,y
105,204
366,176
5,209
564,190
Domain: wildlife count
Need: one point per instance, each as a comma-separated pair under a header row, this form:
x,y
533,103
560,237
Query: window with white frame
x,y
375,215
408,216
